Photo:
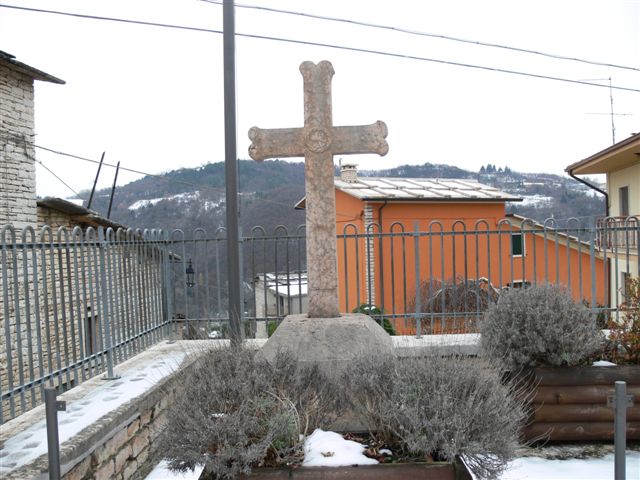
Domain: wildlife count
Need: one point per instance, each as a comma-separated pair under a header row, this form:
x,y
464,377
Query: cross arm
x,y
360,139
276,143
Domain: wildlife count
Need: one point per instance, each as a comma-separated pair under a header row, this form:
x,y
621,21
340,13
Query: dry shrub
x,y
441,406
458,303
457,295
540,325
236,412
624,339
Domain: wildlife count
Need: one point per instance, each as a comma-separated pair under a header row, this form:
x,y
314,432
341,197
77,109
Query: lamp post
x,y
190,274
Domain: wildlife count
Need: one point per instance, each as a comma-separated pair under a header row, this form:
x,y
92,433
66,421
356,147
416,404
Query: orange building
x,y
398,236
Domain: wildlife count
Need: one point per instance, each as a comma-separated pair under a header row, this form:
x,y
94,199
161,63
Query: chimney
x,y
348,172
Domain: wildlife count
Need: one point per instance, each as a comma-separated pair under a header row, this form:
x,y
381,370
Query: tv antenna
x,y
611,112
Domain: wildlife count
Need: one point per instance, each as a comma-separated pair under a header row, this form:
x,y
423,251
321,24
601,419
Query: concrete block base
x,y
331,343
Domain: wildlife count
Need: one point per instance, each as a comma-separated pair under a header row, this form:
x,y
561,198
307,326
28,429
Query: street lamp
x,y
190,273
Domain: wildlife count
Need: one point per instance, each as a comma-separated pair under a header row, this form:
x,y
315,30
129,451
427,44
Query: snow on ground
x,y
329,449
535,468
527,468
162,472
603,363
535,200
180,197
31,443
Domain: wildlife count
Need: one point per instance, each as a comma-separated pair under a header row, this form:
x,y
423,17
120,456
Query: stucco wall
x,y
629,177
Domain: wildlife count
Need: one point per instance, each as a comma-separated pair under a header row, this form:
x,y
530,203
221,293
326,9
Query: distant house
x,y
278,295
399,236
619,228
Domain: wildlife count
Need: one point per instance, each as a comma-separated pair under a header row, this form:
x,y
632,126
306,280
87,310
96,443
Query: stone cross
x,y
318,141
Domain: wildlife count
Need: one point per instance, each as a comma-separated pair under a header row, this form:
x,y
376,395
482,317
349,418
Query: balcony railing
x,y
618,233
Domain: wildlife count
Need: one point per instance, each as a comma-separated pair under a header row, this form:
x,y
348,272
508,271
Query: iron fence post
x,y
104,294
620,427
52,407
416,244
168,288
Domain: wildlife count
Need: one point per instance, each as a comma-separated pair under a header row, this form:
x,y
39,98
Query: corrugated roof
x,y
10,60
423,189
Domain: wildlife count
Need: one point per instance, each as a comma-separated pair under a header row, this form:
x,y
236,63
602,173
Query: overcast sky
x,y
152,98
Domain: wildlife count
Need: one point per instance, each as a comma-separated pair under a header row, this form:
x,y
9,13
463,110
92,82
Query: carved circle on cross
x,y
318,140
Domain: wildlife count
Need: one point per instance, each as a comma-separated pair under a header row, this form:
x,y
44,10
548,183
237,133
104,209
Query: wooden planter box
x,y
385,471
570,404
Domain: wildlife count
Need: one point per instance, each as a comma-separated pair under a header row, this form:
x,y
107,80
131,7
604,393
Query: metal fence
x,y
77,302
440,278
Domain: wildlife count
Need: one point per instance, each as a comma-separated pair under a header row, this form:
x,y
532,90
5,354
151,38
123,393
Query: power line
x,y
444,62
59,179
328,45
426,34
111,19
159,177
131,170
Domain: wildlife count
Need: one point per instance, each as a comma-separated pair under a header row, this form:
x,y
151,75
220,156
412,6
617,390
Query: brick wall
x,y
17,168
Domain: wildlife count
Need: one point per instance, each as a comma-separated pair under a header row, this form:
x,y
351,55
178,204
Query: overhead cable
x,y
426,34
333,46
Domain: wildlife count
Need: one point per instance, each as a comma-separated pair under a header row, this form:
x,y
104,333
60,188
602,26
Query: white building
x,y
281,294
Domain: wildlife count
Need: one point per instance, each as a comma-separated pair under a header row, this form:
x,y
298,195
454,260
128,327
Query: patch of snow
x,y
31,443
137,205
162,472
603,363
329,449
208,205
179,197
535,200
385,451
535,468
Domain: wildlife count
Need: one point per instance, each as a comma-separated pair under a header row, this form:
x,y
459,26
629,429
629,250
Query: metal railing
x,y
618,232
75,303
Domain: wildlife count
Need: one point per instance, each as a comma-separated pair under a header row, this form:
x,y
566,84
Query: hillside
x,y
192,198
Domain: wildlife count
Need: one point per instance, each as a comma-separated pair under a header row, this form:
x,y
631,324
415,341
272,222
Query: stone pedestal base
x,y
331,343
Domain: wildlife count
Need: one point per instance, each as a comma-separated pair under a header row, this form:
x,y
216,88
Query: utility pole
x,y
113,190
95,182
231,172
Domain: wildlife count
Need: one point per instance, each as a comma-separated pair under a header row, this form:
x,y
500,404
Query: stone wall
x,y
121,444
17,167
125,453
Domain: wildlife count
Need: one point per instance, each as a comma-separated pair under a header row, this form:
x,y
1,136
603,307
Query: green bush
x,y
375,313
271,327
440,407
540,325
